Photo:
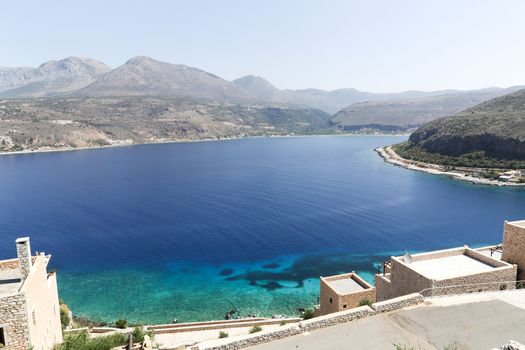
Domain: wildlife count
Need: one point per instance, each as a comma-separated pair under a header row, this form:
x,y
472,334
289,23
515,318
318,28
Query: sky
x,y
378,46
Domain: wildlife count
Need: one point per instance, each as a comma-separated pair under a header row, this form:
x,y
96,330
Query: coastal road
x,y
467,322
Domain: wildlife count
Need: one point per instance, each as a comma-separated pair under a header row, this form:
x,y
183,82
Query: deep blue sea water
x,y
187,231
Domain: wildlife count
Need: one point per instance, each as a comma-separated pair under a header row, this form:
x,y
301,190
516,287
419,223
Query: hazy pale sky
x,y
377,46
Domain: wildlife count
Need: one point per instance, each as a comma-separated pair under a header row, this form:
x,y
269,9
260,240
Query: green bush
x,y
121,323
364,302
81,341
64,316
308,314
255,329
139,333
282,323
223,335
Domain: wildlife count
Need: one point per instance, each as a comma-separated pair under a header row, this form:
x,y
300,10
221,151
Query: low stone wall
x,y
304,326
255,339
397,303
314,324
335,318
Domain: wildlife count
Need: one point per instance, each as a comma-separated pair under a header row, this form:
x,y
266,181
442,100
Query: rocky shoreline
x,y
462,174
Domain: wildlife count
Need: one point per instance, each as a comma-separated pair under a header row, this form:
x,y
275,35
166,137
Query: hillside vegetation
x,y
491,134
34,124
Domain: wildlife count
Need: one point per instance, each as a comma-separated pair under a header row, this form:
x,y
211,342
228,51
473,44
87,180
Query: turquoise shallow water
x,y
188,231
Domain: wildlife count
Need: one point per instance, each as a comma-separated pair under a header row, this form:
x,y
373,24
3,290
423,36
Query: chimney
x,y
23,251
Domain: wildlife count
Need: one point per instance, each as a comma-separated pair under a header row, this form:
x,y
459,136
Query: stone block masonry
x,y
398,303
14,322
514,245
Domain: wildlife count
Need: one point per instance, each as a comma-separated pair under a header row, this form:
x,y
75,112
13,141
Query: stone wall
x,y
382,284
9,264
287,331
403,281
480,282
514,247
398,303
335,318
13,318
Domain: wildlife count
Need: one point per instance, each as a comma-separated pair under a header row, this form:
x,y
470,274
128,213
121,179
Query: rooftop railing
x,y
472,288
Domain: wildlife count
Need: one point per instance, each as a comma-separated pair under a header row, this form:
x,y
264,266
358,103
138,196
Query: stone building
x,y
514,245
29,307
450,271
341,292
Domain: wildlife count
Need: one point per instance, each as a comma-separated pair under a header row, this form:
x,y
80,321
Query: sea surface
x,y
189,231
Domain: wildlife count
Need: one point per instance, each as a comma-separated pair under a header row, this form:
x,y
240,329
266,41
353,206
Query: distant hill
x,y
408,114
259,88
51,78
144,76
489,134
329,101
58,123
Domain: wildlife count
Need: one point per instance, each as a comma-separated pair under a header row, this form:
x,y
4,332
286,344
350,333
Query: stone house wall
x,y
514,247
383,286
403,281
43,310
13,319
484,281
341,302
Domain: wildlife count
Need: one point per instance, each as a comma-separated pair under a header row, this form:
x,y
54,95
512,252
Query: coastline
x,y
390,156
131,144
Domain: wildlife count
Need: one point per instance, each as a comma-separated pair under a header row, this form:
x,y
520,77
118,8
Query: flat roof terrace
x,y
452,263
345,286
450,267
346,283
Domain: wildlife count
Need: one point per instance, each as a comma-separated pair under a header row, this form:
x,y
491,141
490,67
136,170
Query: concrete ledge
x,y
225,325
398,303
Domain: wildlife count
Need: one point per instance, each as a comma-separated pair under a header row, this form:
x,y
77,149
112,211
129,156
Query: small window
x,y
2,337
34,317
331,300
344,306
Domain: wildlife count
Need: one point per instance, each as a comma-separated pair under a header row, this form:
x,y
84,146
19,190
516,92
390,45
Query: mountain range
x,y
81,102
144,76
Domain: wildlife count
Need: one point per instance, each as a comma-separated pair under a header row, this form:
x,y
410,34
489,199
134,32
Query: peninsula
x,y
483,144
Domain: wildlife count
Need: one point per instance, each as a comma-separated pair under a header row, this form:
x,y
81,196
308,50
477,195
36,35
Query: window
x,y
344,306
2,336
33,314
331,300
